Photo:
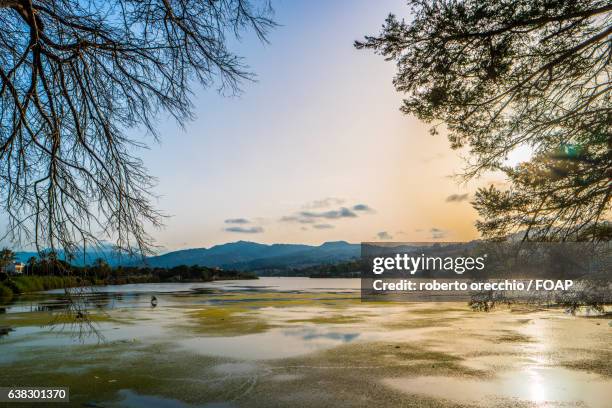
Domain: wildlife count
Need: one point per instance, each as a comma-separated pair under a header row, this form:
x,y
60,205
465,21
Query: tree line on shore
x,y
47,272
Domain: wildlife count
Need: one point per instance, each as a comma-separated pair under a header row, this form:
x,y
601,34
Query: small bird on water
x,y
153,301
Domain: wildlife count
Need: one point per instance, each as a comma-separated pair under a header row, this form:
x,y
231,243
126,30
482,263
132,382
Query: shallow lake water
x,y
299,342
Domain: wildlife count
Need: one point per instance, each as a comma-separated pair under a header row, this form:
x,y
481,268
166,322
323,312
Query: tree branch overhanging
x,y
502,74
76,77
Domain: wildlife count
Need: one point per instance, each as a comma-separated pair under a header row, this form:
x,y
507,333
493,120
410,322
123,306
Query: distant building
x,y
15,268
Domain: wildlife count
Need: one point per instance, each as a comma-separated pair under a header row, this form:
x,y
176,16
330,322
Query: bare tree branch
x,y
77,76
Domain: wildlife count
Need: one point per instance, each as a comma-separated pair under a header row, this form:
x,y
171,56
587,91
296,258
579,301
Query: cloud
x,y
310,217
324,203
457,198
245,230
323,226
236,221
363,207
437,233
343,212
384,235
295,218
323,217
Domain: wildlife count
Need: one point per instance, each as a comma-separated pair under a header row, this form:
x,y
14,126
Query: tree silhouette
x,y
101,268
7,257
502,74
76,76
31,264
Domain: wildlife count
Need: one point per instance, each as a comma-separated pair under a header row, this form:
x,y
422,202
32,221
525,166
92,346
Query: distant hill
x,y
105,252
252,256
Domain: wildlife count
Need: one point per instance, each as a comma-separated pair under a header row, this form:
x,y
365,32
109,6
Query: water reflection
x,y
272,344
342,337
242,331
130,398
135,294
545,386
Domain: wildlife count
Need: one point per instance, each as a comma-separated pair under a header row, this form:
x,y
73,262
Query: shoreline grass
x,y
17,285
14,286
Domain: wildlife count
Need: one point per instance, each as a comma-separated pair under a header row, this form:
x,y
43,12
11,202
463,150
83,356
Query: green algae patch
x,y
441,310
287,299
148,370
512,337
346,376
225,321
42,319
384,359
351,376
595,365
599,364
239,314
339,389
417,323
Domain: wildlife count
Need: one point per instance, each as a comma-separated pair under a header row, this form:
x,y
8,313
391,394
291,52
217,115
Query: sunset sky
x,y
316,150
319,131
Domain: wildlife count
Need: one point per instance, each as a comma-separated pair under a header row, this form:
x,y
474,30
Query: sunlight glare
x,y
537,386
518,155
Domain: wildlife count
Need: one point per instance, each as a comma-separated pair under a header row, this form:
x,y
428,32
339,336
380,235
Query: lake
x,y
300,342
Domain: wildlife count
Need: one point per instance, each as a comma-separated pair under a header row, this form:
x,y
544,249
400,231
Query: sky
x,y
315,150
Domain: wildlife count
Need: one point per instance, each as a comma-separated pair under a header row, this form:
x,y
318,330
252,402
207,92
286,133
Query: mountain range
x,y
241,255
104,251
252,256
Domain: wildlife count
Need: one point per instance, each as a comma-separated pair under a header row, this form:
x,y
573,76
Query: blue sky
x,y
321,122
314,150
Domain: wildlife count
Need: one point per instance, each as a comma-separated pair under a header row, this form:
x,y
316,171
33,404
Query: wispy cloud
x,y
457,198
363,208
323,226
323,219
324,203
437,233
245,230
330,215
237,221
296,218
384,235
311,217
